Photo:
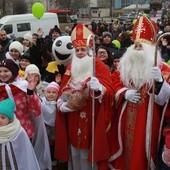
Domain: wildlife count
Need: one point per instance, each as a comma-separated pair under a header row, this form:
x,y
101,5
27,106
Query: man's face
x,y
138,46
81,52
3,35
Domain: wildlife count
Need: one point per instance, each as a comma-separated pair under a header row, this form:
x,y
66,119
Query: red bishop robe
x,y
129,145
68,125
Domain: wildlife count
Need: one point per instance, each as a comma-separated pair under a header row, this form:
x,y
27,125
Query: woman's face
x,y
102,54
15,54
5,74
26,43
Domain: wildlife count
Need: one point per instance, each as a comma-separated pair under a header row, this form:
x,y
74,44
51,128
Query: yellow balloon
x,y
38,10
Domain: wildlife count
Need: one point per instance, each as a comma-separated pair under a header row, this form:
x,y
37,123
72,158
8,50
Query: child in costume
x,y
15,147
28,104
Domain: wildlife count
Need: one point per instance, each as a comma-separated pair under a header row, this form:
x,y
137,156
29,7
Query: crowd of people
x,y
106,108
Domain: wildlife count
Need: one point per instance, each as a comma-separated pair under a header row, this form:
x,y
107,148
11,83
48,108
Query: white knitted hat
x,y
16,45
28,36
32,68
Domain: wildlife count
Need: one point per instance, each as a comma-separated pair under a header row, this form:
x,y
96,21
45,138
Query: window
x,y
8,29
23,27
94,11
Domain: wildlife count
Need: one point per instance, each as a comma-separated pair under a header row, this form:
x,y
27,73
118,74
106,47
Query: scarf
x,y
10,131
49,111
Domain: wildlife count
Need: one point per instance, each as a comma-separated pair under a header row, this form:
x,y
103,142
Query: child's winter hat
x,y
53,85
7,108
16,45
11,65
28,36
26,56
32,68
56,29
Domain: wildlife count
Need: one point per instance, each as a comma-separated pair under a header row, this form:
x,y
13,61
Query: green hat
x,y
116,43
7,107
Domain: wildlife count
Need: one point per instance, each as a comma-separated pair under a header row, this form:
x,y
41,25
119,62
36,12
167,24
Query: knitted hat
x,y
53,85
7,107
106,33
32,68
56,29
28,36
26,56
118,54
116,43
11,65
16,45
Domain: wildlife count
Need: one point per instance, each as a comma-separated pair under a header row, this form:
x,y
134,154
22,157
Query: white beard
x,y
81,68
135,66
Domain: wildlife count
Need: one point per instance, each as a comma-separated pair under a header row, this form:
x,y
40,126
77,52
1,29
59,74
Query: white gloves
x,y
132,96
95,84
166,156
156,74
64,107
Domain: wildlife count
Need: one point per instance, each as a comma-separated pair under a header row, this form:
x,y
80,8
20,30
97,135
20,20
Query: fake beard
x,y
81,68
135,66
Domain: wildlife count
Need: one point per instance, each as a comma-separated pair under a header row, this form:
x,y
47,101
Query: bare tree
x,y
3,7
19,7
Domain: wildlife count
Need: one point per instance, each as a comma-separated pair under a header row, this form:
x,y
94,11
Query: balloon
x,y
134,21
144,14
38,10
168,62
116,43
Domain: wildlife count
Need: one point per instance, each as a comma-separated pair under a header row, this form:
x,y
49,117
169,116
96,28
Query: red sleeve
x,y
118,87
34,105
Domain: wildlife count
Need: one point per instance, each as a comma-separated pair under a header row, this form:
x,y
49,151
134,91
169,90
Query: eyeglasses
x,y
102,52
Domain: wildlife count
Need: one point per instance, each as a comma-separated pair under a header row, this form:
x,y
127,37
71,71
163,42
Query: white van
x,y
18,25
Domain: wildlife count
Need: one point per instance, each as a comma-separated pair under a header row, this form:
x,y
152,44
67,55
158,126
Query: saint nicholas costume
x,y
131,124
75,128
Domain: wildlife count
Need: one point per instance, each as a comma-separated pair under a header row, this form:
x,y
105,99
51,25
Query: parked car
x,y
128,16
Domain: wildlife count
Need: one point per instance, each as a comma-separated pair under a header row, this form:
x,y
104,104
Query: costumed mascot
x,y
62,50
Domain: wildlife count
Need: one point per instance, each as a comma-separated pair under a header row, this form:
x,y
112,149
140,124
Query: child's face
x,y
4,120
33,78
51,95
14,53
116,62
24,63
5,74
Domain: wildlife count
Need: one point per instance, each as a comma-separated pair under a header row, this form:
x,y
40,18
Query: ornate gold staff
x,y
153,99
91,37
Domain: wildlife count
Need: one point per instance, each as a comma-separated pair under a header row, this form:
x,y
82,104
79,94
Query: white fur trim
x,y
119,92
119,152
148,130
163,95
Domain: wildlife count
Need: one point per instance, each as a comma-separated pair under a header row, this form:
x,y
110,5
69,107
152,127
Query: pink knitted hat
x,y
53,85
